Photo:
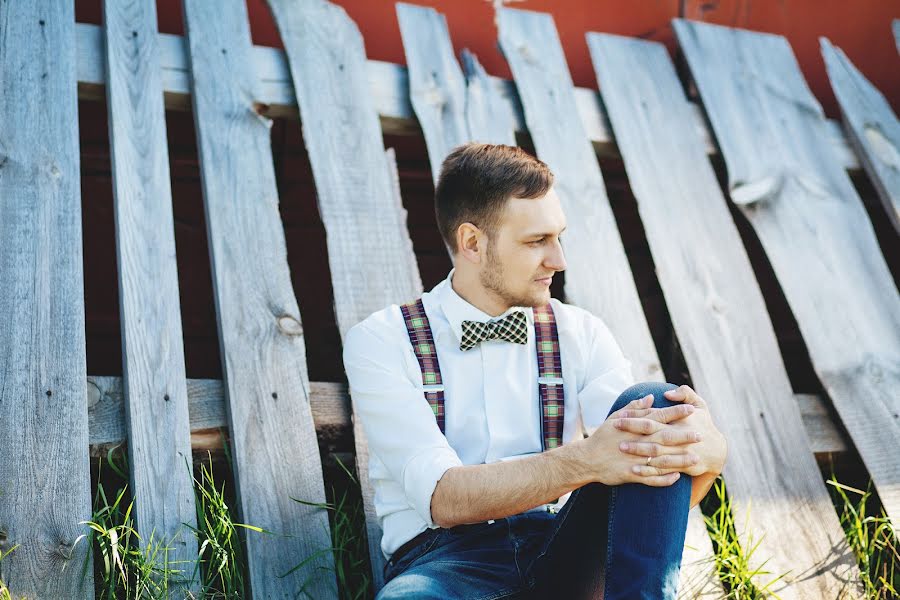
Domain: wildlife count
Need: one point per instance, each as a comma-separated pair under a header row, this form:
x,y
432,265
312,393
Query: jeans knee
x,y
639,390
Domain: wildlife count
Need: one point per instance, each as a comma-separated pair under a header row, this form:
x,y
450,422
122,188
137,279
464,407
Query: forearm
x,y
700,486
476,493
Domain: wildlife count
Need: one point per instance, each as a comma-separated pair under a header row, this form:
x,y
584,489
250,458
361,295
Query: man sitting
x,y
474,400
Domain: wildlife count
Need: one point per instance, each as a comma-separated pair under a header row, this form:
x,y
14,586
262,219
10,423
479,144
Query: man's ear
x,y
469,243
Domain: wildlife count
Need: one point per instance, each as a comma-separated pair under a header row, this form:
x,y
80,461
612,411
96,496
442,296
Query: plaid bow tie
x,y
511,328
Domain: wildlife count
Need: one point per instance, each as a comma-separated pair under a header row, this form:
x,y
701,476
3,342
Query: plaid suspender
x,y
423,345
550,383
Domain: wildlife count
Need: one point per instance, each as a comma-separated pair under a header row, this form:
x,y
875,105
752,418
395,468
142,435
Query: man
x,y
474,400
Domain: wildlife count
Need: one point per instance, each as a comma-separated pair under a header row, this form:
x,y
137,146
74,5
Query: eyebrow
x,y
545,234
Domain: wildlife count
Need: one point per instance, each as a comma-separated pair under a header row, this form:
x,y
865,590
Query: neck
x,y
468,286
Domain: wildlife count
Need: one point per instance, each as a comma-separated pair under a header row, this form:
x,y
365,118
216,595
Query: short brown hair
x,y
476,181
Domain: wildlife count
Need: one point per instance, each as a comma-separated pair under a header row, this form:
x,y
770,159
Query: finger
x,y
686,395
672,462
671,413
651,471
634,413
660,480
675,436
643,426
640,403
650,448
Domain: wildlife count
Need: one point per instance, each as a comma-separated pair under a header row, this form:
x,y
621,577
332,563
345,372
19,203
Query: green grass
x,y
733,560
125,568
872,539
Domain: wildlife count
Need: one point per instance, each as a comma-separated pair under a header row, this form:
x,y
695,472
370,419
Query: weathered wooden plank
x,y
720,317
871,125
261,337
330,405
531,45
44,468
816,233
895,25
488,114
388,88
369,249
437,88
159,448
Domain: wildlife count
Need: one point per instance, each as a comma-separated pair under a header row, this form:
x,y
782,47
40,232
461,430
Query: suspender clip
x,y
433,389
550,380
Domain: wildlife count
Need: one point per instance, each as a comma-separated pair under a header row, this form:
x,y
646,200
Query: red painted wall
x,y
862,28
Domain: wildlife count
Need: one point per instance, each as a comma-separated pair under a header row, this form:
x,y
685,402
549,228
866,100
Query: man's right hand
x,y
606,463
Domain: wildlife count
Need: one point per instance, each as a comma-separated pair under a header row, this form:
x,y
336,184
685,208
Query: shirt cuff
x,y
421,475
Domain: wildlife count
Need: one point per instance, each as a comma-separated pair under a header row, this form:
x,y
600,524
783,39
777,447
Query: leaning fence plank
x,y
720,317
159,444
369,249
814,229
264,359
388,88
872,127
44,470
598,277
488,114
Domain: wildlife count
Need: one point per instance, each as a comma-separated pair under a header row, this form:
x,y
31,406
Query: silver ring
x,y
648,461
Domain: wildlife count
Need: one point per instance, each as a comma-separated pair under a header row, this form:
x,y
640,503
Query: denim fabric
x,y
611,542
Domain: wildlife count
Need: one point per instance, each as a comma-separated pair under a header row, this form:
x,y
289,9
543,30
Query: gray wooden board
x,y
275,453
330,404
871,125
437,88
388,87
813,227
452,109
152,349
370,253
720,317
488,114
44,470
895,25
598,277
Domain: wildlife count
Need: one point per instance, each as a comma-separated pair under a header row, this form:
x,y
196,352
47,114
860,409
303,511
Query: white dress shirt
x,y
490,398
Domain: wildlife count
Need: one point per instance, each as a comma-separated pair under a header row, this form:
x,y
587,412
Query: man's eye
x,y
536,242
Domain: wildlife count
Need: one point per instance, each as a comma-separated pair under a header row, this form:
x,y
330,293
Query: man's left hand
x,y
711,449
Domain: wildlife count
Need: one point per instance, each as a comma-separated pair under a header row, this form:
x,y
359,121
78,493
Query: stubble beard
x,y
491,278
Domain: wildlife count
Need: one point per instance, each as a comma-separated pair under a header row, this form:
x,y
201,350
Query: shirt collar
x,y
457,310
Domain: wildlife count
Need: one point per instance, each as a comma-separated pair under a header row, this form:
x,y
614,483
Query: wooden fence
x,y
787,174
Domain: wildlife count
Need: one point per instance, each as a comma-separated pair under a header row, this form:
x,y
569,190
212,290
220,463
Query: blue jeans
x,y
611,542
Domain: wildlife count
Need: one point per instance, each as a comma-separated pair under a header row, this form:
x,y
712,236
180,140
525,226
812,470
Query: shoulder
x,y
381,327
577,321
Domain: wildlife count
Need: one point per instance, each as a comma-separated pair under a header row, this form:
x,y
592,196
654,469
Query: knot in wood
x,y
64,550
94,395
288,325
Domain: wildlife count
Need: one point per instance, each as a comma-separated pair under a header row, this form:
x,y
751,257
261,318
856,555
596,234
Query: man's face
x,y
524,252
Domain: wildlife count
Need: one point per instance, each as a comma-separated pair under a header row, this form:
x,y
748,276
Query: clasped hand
x,y
653,446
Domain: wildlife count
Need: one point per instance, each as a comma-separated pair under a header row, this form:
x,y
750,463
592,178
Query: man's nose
x,y
557,258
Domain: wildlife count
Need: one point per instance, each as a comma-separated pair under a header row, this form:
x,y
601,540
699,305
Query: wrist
x,y
574,462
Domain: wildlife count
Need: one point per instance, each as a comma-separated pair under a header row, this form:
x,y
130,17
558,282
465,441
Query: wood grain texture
x,y
388,88
437,88
159,448
370,253
895,25
720,317
813,227
598,277
275,453
871,125
451,110
330,405
44,470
